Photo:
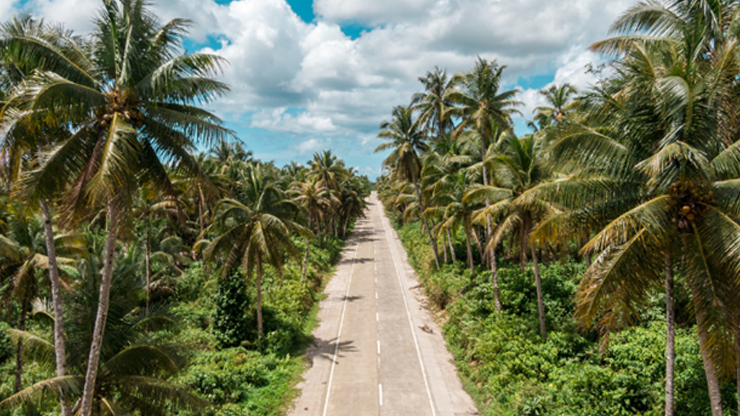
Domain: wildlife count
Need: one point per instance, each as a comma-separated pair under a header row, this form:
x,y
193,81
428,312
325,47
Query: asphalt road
x,y
370,355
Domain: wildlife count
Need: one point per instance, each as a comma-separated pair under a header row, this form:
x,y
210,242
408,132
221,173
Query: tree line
x,y
638,176
106,197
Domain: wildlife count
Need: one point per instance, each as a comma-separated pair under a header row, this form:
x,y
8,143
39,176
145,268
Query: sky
x,y
310,75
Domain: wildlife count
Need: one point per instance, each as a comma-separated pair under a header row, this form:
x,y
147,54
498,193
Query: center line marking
x,y
377,317
380,391
339,333
378,346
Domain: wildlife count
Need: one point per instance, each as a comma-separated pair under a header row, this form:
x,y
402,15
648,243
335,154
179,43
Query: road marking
x,y
377,317
380,391
408,314
376,295
378,347
339,333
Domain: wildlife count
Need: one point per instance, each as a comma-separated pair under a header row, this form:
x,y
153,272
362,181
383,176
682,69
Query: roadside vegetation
x,y
591,266
149,264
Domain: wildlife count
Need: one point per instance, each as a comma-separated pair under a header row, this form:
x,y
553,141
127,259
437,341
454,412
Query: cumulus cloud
x,y
303,79
311,146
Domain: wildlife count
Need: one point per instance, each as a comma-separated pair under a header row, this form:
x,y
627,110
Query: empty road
x,y
370,355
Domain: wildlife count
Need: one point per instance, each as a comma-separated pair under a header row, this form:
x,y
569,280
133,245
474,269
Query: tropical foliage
x,y
637,177
114,225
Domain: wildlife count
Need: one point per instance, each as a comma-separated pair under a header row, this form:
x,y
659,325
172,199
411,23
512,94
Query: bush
x,y
230,320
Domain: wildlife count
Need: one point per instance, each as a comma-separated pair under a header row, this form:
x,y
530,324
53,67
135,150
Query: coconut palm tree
x,y
132,102
558,104
254,230
406,138
520,165
29,46
433,103
481,105
677,174
133,367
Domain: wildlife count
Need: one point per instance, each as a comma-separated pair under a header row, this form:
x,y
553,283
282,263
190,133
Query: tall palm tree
x,y
433,103
131,378
29,46
316,202
520,166
254,230
677,174
481,105
132,102
559,102
407,140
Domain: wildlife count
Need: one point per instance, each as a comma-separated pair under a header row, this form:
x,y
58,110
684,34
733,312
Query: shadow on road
x,y
324,349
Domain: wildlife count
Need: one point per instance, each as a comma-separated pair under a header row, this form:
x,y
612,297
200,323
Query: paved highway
x,y
370,355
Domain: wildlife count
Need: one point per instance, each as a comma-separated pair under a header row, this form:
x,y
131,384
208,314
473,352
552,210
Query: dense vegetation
x,y
149,264
633,185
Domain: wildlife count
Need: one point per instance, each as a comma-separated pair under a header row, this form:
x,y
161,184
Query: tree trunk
x,y
523,247
538,283
470,251
305,260
710,370
670,351
494,277
147,263
346,223
426,224
19,347
56,300
444,248
452,247
201,209
93,360
259,295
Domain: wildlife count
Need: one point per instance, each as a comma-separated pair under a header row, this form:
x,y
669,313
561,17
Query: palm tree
x,y
480,104
316,201
29,46
22,257
133,364
677,174
520,166
132,103
433,102
407,140
559,103
254,230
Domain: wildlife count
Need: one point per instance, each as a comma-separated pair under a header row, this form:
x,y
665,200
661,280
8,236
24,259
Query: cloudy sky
x,y
308,75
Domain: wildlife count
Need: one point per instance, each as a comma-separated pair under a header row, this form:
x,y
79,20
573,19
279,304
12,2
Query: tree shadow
x,y
324,349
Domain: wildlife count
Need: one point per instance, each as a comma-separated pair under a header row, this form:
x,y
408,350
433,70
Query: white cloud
x,y
311,146
279,120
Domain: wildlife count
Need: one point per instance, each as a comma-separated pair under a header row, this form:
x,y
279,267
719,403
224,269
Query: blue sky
x,y
322,74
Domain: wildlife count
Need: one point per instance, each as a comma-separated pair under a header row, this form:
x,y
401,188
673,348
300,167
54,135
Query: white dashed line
x,y
380,392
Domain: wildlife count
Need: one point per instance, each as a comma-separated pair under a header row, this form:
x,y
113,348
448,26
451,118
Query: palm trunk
x,y
305,260
494,277
201,209
147,263
452,247
523,248
346,223
259,295
93,360
715,397
540,303
426,224
470,250
444,247
56,299
670,351
19,347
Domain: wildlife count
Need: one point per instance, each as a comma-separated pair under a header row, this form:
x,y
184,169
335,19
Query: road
x,y
370,355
